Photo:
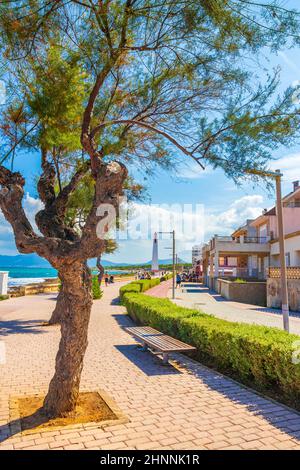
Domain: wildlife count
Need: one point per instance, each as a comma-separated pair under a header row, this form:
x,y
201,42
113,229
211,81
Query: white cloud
x,y
204,226
4,226
222,223
186,219
31,207
289,166
191,222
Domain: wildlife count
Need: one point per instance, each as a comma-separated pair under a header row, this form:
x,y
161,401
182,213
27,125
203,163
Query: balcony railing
x,y
224,238
293,272
246,239
292,204
255,239
243,273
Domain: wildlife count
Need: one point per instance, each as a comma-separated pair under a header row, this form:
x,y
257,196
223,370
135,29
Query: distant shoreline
x,y
19,276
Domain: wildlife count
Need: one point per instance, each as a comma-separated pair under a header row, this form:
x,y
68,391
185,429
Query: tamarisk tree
x,y
98,87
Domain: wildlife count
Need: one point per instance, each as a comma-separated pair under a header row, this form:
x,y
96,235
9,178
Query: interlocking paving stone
x,y
210,302
190,407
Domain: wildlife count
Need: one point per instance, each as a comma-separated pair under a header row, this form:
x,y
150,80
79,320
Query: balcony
x,y
255,239
292,272
224,238
292,204
243,244
243,273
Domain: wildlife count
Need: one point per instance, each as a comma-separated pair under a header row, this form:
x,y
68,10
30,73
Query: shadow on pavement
x,y
193,291
22,326
13,427
146,361
273,311
123,319
191,284
115,301
283,418
217,296
202,289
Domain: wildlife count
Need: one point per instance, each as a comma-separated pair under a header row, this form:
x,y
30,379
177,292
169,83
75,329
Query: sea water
x,y
22,276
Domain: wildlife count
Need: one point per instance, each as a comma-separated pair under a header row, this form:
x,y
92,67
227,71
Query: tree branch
x,y
63,196
109,187
151,128
19,141
51,219
46,182
11,196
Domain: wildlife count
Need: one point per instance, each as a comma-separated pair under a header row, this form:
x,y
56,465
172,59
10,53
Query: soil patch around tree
x,y
92,407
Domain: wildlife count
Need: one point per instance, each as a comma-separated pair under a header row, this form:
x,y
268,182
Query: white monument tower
x,y
154,266
3,282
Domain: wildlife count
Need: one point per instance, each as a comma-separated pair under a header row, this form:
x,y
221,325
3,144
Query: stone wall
x,y
274,293
248,292
45,287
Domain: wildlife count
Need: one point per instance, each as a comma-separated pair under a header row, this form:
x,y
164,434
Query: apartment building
x,y
242,254
196,254
252,250
266,226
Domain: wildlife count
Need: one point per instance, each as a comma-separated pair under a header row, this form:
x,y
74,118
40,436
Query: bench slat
x,y
158,340
148,330
163,344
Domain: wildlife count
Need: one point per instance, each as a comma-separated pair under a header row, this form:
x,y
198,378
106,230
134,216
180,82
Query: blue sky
x,y
225,206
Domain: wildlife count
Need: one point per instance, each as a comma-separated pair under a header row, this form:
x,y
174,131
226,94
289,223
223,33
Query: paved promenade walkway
x,y
161,290
174,407
200,297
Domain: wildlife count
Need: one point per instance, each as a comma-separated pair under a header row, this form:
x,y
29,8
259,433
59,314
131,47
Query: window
x,y
288,259
263,231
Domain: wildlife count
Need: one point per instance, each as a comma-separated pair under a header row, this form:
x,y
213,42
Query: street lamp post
x,y
173,261
283,274
174,267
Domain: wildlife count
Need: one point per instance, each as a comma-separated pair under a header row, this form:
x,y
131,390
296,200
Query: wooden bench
x,y
159,342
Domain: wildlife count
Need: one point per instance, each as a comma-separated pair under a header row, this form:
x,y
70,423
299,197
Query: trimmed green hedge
x,y
138,286
4,297
161,314
96,291
255,355
166,277
148,283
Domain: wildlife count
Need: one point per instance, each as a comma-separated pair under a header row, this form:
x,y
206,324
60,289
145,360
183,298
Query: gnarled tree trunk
x,y
58,310
67,252
76,303
100,269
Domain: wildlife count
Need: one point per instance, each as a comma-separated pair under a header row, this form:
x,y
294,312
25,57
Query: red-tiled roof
x,y
271,211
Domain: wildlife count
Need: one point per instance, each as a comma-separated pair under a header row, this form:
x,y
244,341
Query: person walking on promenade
x,y
100,270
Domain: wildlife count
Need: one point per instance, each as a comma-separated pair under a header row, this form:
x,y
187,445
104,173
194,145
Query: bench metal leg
x,y
165,359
